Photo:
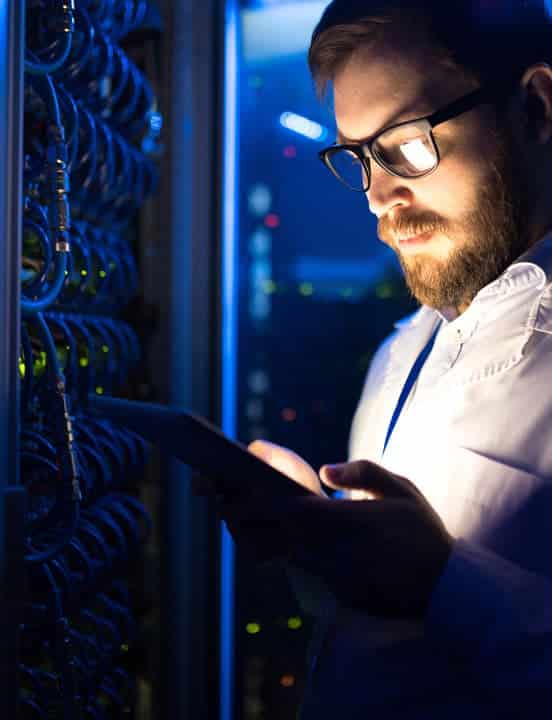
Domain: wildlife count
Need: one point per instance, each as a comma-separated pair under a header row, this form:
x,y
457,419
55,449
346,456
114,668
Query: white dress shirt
x,y
475,436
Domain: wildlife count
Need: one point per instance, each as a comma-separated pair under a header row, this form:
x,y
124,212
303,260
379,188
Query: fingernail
x,y
332,472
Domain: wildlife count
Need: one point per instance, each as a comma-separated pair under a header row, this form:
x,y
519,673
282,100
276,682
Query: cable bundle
x,y
91,134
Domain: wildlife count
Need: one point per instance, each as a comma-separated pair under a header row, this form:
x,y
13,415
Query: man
x,y
442,573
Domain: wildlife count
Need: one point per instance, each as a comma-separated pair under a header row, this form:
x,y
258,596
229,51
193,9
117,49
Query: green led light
x,y
294,623
385,290
306,289
102,274
124,647
22,368
105,349
83,362
40,361
269,287
99,390
66,273
253,628
84,272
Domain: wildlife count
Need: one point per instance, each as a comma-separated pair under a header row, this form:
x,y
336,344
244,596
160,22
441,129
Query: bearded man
x,y
439,563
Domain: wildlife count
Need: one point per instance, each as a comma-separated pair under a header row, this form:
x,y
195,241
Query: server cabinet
x,y
110,249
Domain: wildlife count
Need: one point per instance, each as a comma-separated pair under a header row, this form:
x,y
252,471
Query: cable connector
x,y
67,456
63,21
68,9
62,244
59,217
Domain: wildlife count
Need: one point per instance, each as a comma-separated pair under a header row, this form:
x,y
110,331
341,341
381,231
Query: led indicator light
x,y
272,221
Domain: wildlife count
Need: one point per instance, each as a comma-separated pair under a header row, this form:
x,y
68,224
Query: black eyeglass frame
x,y
364,151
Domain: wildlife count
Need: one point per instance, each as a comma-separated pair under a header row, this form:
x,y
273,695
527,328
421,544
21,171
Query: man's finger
x,y
367,476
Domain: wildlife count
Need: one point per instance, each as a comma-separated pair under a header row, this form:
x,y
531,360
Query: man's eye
x,y
418,153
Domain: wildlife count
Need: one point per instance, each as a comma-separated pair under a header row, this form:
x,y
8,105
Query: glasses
x,y
406,150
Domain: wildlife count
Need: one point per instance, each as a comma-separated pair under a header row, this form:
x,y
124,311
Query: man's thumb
x,y
368,477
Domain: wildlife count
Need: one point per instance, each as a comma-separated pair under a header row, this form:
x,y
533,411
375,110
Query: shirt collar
x,y
532,268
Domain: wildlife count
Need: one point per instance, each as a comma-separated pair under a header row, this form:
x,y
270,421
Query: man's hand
x,y
382,556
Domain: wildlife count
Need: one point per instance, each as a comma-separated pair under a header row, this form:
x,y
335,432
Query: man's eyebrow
x,y
343,140
340,139
403,116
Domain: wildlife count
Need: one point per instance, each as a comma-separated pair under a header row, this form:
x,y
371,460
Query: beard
x,y
487,239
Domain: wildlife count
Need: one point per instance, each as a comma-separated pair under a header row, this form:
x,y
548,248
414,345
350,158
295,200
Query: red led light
x,y
290,151
289,414
272,221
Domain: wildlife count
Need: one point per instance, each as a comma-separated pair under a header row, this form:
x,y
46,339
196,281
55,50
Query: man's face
x,y
456,229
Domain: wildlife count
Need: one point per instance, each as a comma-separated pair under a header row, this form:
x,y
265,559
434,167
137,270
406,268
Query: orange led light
x,y
287,681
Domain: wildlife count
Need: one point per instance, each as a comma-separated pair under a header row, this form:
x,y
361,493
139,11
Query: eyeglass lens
x,y
407,150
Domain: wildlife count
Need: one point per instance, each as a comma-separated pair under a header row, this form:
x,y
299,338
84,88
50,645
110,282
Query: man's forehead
x,y
376,88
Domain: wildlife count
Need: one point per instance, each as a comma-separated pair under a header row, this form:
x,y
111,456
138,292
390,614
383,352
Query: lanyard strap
x,y
409,384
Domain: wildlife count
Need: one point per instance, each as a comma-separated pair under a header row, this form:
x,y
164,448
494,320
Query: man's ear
x,y
536,88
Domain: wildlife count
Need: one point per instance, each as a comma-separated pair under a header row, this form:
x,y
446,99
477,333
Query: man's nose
x,y
387,192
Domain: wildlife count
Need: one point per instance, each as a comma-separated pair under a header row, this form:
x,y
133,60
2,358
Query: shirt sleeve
x,y
495,618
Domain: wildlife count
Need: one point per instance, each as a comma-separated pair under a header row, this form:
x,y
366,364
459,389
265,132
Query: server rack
x,y
11,495
178,250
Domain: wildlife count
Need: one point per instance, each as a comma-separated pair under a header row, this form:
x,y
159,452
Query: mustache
x,y
389,231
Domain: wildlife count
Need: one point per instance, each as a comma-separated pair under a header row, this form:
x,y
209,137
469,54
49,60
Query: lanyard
x,y
409,384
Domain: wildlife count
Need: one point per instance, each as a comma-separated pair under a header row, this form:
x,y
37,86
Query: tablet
x,y
198,443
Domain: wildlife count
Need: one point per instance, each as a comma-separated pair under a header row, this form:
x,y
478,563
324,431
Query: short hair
x,y
489,40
